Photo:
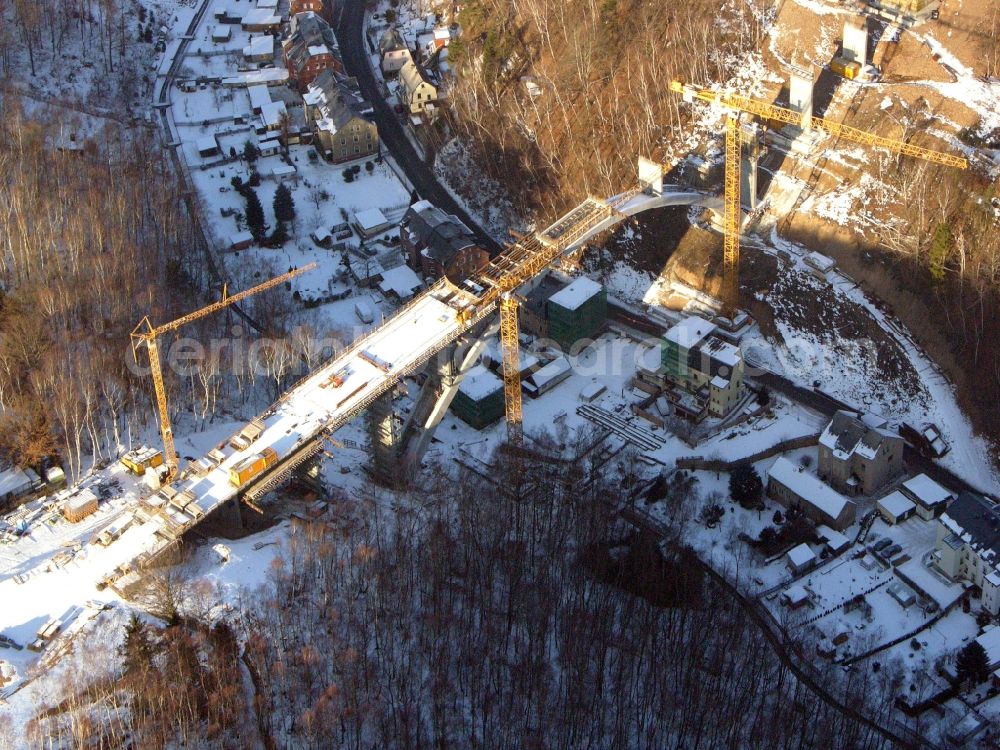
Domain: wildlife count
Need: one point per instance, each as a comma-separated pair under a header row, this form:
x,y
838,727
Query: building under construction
x,y
479,401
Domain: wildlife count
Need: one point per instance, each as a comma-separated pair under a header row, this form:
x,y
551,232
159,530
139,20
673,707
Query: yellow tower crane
x,y
736,105
146,333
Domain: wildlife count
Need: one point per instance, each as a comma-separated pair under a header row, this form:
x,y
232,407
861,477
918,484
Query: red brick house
x,y
438,244
310,49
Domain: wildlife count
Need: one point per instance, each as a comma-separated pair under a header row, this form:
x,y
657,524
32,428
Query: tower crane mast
x,y
145,333
736,105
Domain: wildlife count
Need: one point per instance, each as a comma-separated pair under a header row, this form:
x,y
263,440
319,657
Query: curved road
x,y
353,50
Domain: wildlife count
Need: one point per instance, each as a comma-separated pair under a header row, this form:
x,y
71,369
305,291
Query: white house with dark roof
x,y
968,546
856,457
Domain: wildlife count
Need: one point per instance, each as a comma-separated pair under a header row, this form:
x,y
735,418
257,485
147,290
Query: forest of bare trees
x,y
603,67
90,241
476,619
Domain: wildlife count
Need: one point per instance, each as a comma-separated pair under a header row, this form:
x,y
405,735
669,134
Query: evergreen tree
x,y
250,152
137,650
280,234
255,214
746,486
972,666
284,204
941,248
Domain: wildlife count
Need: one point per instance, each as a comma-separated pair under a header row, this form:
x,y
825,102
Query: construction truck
x,y
252,466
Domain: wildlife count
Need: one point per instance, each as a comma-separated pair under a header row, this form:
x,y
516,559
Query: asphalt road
x,y
353,50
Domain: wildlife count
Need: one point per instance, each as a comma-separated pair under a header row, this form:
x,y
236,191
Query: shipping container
x,y
252,466
140,459
846,68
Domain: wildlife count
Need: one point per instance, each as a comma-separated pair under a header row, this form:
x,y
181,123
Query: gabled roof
x,y
439,236
808,487
337,102
411,76
847,434
390,41
310,35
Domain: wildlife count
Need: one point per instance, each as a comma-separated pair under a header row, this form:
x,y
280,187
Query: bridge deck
x,y
371,366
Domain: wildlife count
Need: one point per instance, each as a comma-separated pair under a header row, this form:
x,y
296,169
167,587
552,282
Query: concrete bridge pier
x,y
383,441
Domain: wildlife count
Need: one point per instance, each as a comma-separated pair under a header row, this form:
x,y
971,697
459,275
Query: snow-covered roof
x,y
592,390
576,294
896,504
402,280
272,112
259,95
975,521
820,261
259,45
319,49
14,481
808,487
847,434
801,555
719,382
796,594
370,219
251,77
990,641
479,383
81,500
207,143
556,369
283,170
222,32
271,4
926,491
690,331
261,17
239,237
833,538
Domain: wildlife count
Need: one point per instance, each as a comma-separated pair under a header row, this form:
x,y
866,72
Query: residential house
x,y
968,546
793,486
415,89
310,49
339,118
318,7
800,559
700,372
393,52
438,244
858,457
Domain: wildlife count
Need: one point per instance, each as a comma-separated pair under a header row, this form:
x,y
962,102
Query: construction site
x,y
681,377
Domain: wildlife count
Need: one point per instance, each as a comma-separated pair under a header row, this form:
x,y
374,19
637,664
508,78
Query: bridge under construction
x,y
443,330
